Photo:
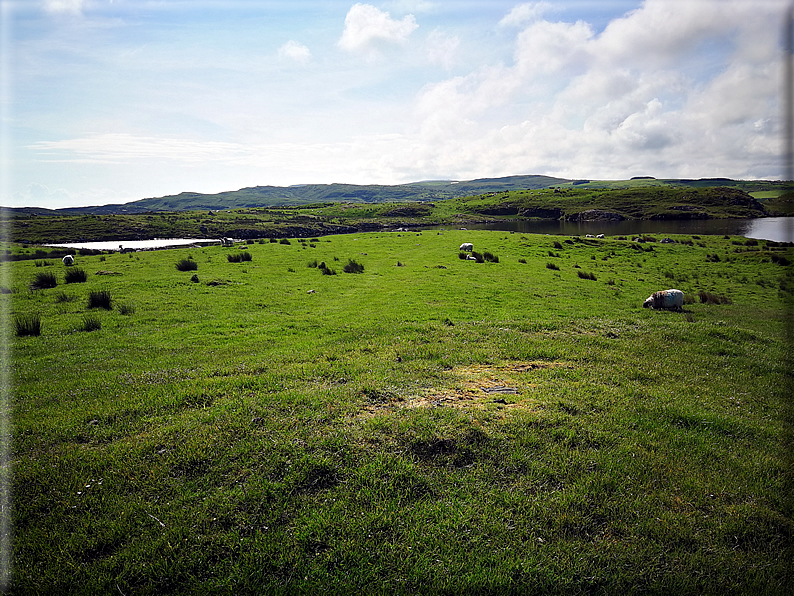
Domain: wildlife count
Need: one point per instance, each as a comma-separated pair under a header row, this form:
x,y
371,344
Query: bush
x,y
552,266
27,325
273,241
100,299
187,265
238,257
586,275
353,267
44,280
75,276
91,323
284,241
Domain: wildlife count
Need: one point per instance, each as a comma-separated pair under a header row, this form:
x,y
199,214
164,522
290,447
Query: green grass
x,y
438,427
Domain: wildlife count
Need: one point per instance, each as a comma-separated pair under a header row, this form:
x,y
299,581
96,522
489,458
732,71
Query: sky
x,y
111,101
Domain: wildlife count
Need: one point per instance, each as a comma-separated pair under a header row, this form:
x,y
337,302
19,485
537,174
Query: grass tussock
x,y
353,267
26,325
552,266
91,322
100,299
43,281
325,269
239,257
126,308
186,265
75,275
709,298
586,275
62,297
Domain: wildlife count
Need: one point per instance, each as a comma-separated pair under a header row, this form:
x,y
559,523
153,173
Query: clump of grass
x,y
91,323
324,268
524,261
239,257
312,264
42,263
462,256
780,260
610,282
689,299
715,258
552,266
284,241
353,267
44,280
63,297
490,257
100,299
187,265
27,325
399,264
75,276
586,275
478,257
273,241
126,309
709,298
194,278
553,254
557,244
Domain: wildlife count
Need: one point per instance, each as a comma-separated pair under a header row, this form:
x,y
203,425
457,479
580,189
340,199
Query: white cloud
x,y
525,13
61,6
442,48
295,51
367,27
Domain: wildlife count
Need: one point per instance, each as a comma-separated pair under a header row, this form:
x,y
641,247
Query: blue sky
x,y
109,101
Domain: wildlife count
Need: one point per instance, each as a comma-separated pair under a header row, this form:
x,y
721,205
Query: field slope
x,y
427,425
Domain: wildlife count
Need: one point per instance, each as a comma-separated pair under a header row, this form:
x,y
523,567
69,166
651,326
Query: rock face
x,y
594,215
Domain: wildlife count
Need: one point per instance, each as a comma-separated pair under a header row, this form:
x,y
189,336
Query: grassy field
x,y
429,425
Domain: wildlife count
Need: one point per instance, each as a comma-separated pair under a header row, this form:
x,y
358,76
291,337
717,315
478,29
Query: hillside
x,y
271,196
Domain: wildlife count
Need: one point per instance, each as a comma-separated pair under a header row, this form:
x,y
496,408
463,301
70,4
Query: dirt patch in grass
x,y
477,386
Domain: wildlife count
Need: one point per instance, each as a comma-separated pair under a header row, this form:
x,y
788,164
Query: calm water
x,y
780,229
138,244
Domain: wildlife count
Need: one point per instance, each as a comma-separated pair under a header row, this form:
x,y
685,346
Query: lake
x,y
779,229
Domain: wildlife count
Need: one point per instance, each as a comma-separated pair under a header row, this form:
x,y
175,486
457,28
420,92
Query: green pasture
x,y
430,425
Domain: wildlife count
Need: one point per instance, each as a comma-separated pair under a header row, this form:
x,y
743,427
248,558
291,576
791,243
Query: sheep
x,y
467,247
665,299
588,236
68,260
600,236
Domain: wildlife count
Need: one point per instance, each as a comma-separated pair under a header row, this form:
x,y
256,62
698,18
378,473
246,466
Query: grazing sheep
x,y
665,299
467,247
588,236
600,236
68,260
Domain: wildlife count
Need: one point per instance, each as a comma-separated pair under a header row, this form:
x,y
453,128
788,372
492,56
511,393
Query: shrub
x,y
27,325
552,266
586,275
273,241
75,276
187,265
126,309
353,267
100,299
709,298
44,280
284,241
91,323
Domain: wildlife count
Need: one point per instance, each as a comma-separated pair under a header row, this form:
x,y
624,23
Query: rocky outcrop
x,y
541,213
594,215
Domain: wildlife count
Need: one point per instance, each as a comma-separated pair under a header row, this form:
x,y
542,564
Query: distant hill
x,y
431,190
